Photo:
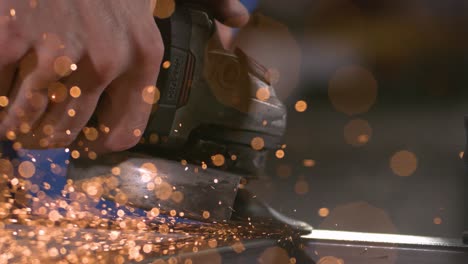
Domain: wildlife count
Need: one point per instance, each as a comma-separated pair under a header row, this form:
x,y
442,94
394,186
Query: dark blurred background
x,y
379,147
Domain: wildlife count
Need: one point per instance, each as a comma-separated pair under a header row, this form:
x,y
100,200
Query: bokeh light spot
x,y
75,154
57,92
91,133
92,155
330,260
48,130
71,112
257,143
33,3
218,160
177,197
17,146
352,90
274,255
62,66
166,65
357,132
272,75
11,135
75,92
26,169
4,101
300,106
151,94
301,187
282,58
154,138
164,8
121,198
404,163
154,212
163,191
263,94
280,154
238,247
115,171
437,221
323,212
137,133
149,167
206,214
308,163
212,243
25,128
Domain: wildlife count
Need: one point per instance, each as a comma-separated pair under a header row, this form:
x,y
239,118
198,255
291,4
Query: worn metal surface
x,y
387,239
202,190
360,247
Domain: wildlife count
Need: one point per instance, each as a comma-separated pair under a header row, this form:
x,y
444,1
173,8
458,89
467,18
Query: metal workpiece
x,y
385,239
362,247
148,182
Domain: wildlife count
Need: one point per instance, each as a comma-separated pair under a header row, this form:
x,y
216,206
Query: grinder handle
x,y
177,70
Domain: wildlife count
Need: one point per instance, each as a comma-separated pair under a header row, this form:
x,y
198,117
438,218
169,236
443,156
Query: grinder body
x,y
208,102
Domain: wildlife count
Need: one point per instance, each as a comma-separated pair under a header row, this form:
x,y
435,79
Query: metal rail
x,y
385,239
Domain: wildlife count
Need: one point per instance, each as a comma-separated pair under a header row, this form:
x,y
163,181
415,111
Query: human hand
x,y
232,13
63,60
68,54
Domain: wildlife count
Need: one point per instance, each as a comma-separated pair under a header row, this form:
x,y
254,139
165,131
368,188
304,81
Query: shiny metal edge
x,y
389,239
